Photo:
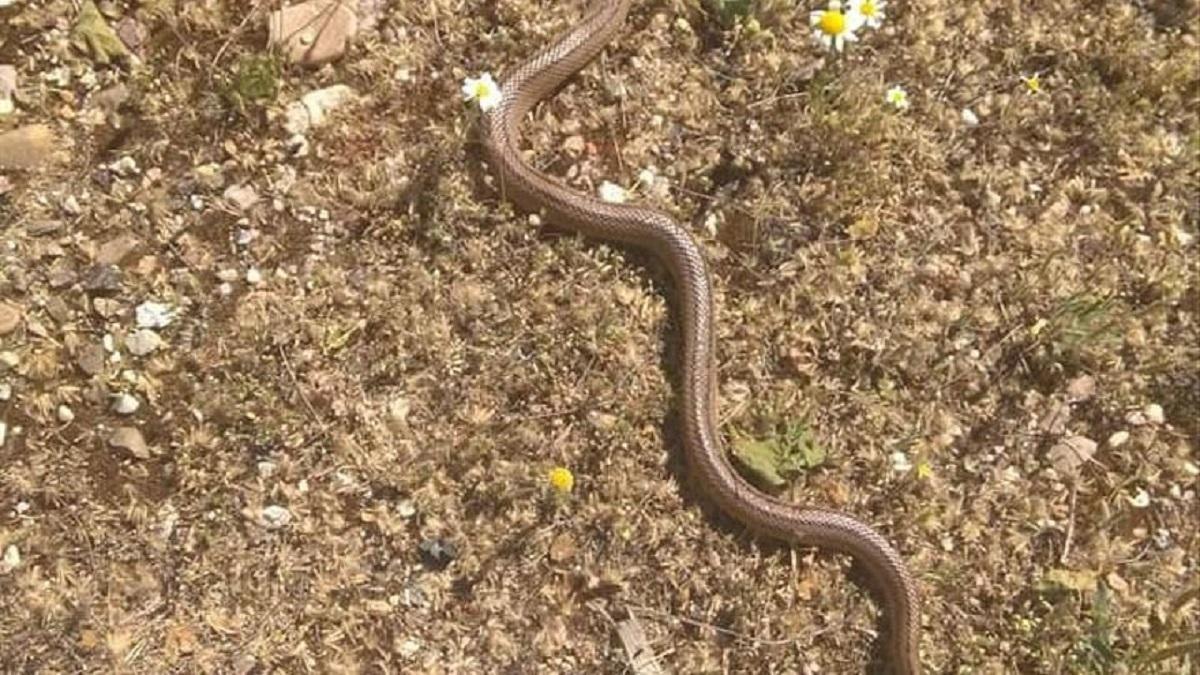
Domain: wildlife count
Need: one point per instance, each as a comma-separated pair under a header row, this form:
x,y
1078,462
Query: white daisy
x,y
869,12
483,89
833,28
897,98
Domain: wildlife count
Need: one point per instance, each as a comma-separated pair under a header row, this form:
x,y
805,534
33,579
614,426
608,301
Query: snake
x,y
657,233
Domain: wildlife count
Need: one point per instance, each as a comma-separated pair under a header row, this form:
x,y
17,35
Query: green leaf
x,y
775,460
760,458
92,34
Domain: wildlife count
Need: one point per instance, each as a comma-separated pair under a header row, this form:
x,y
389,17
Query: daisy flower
x,y
833,28
868,12
897,98
483,89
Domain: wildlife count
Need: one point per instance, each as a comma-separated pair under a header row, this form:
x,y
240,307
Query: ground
x,y
981,309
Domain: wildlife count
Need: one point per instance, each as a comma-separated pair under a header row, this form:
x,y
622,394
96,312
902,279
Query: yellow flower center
x,y
833,22
867,8
481,89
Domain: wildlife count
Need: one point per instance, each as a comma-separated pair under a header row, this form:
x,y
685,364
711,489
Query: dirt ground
x,y
274,404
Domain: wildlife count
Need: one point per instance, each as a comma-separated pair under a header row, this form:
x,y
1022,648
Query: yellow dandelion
x,y
561,479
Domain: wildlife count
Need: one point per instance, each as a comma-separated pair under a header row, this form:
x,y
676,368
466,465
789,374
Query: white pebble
x,y
125,404
1118,439
1154,414
154,315
901,463
65,414
969,117
274,517
612,193
11,560
5,391
253,276
1140,500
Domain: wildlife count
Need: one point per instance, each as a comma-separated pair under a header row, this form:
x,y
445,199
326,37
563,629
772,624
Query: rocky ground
x,y
282,377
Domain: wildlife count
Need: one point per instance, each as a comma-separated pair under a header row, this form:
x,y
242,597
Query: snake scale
x,y
523,87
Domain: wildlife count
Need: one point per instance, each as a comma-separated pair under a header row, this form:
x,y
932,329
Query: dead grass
x,y
895,282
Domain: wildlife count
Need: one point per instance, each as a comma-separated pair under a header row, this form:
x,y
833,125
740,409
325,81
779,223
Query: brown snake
x,y
521,88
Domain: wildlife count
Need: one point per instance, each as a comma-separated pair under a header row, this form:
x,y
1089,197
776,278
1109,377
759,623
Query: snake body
x,y
523,87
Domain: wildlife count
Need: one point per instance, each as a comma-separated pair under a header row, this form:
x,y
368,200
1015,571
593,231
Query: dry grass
x,y
896,282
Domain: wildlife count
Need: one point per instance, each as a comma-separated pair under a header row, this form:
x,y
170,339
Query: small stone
x,y
9,359
133,33
12,557
26,147
65,414
313,32
142,342
116,249
574,145
5,391
274,517
408,648
151,314
125,404
8,87
563,548
102,279
1081,388
241,197
437,553
1154,414
1118,438
1070,454
131,440
969,117
90,359
406,509
313,108
253,276
10,317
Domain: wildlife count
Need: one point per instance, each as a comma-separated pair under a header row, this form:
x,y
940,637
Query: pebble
x,y
142,342
1118,438
116,249
90,359
437,553
125,404
274,517
1070,454
253,276
8,87
10,317
102,278
406,509
1154,414
130,439
154,315
11,559
26,147
9,359
5,391
241,197
312,110
313,32
65,414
